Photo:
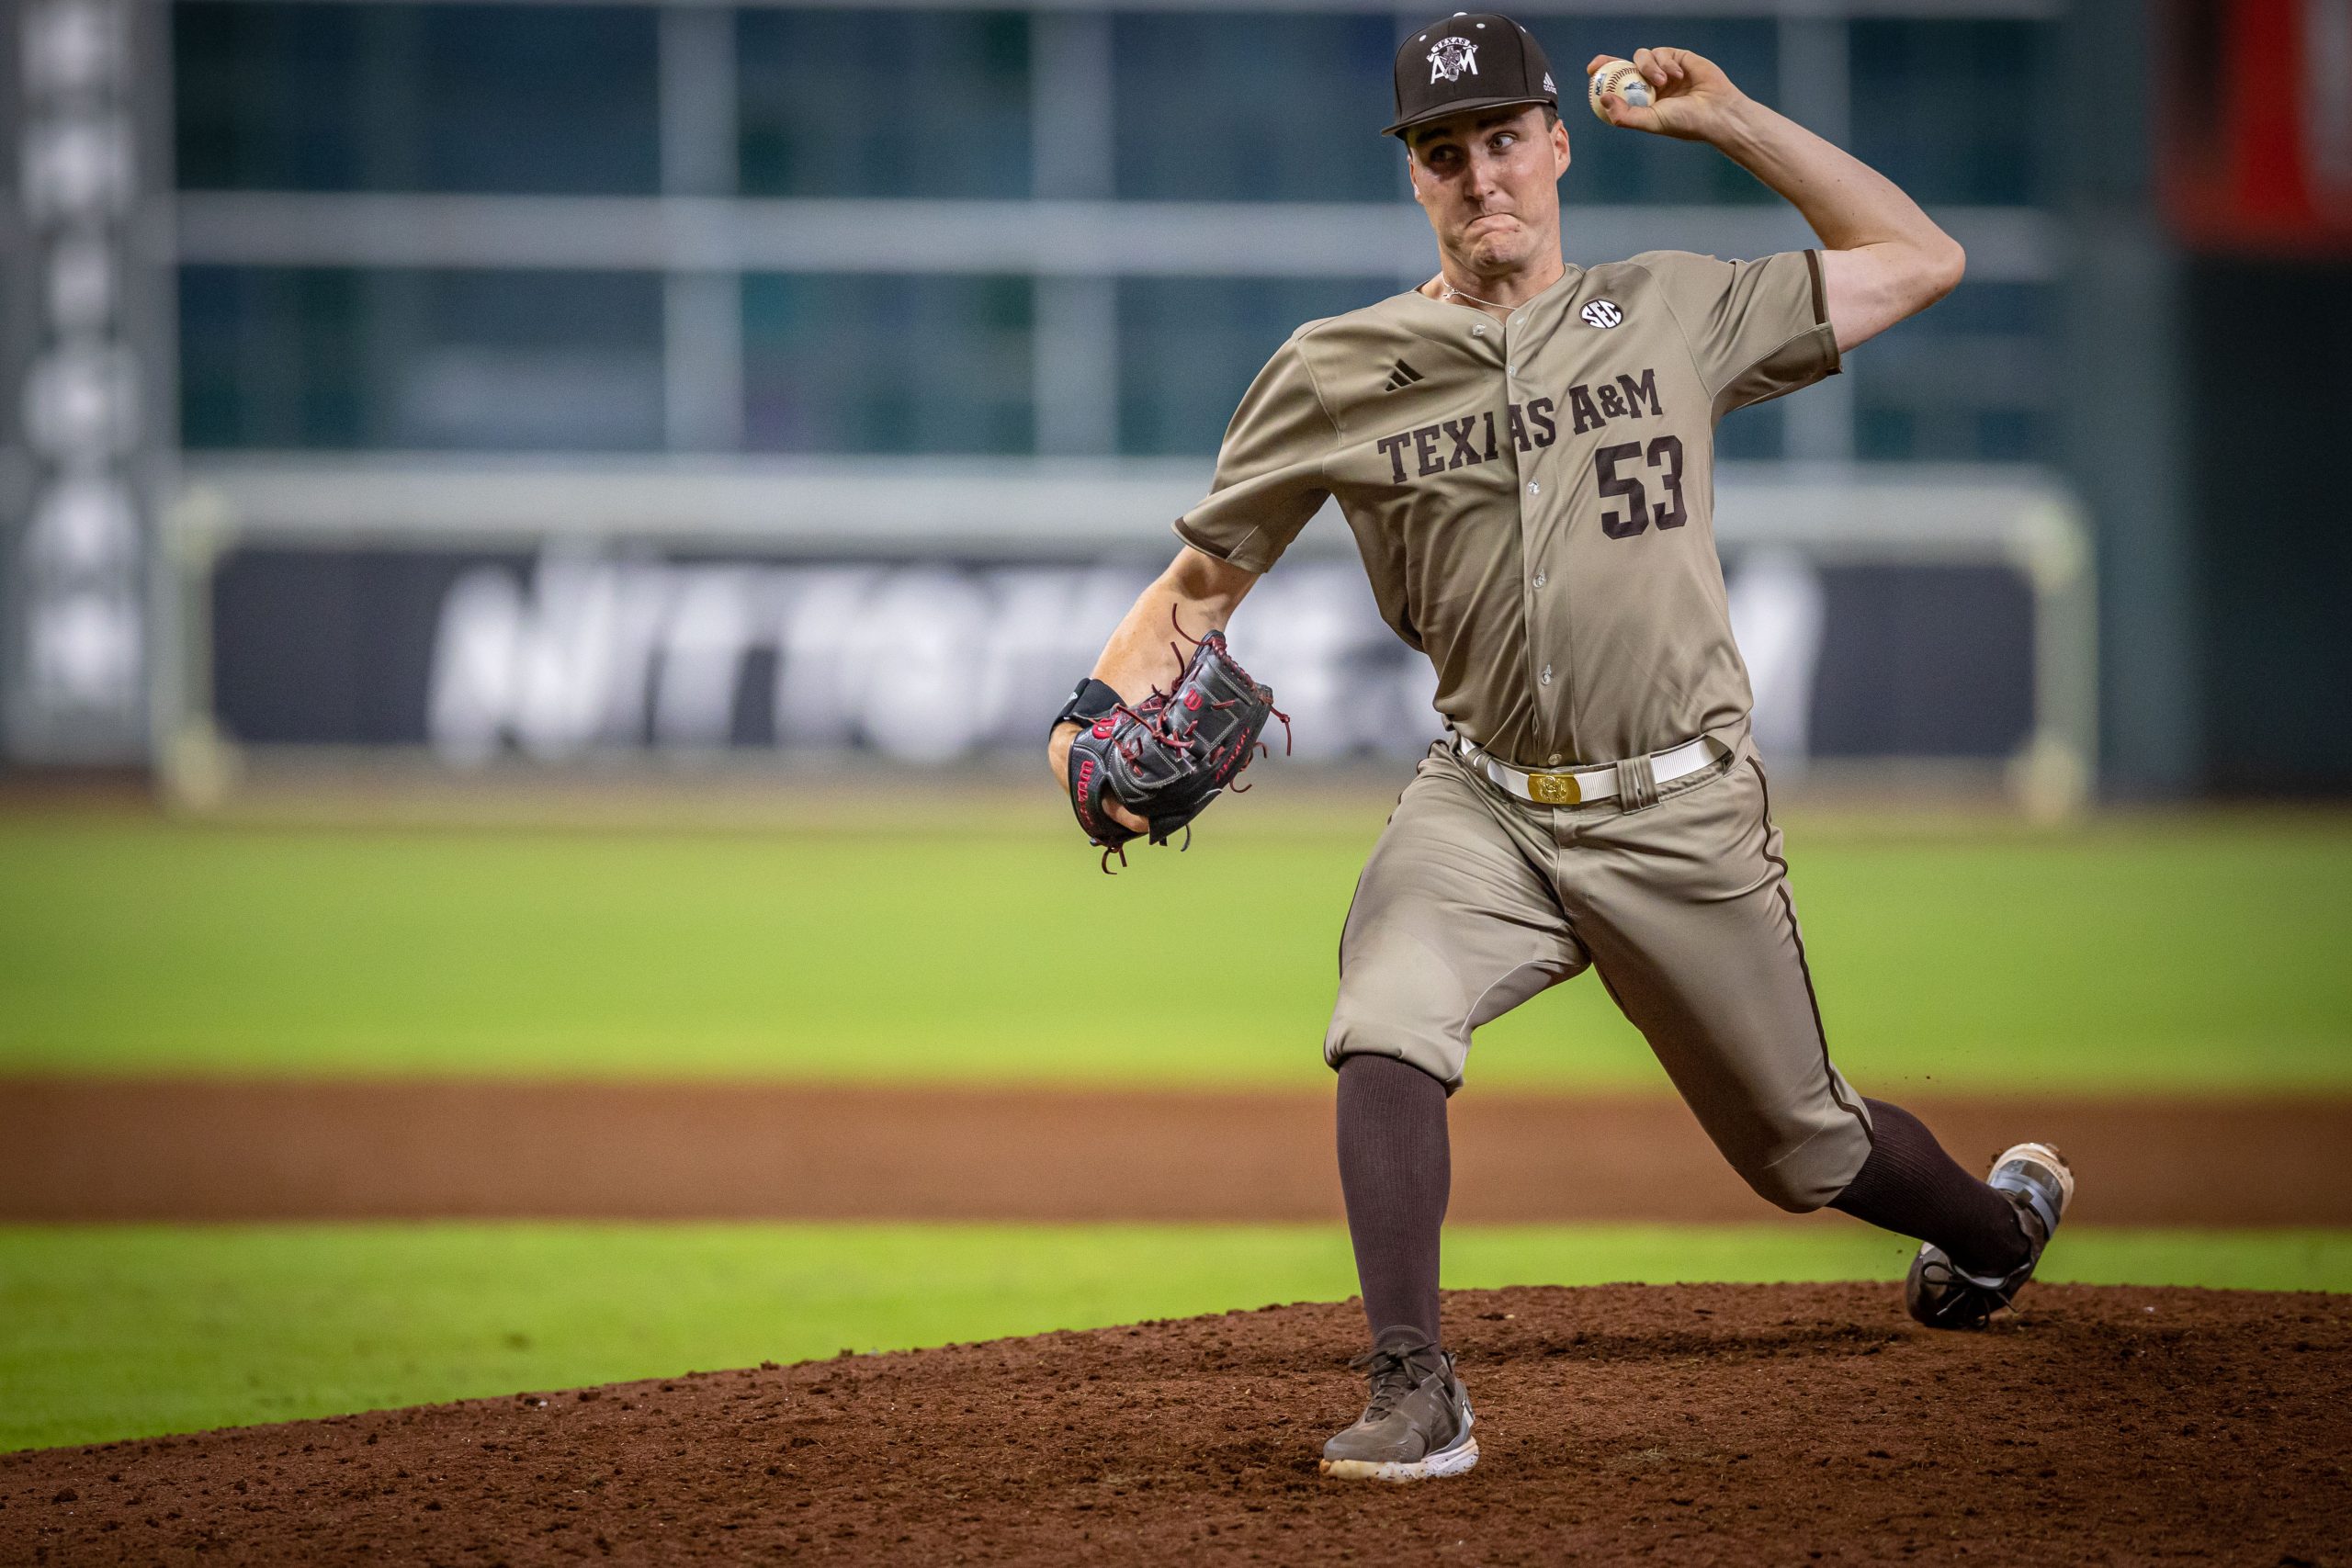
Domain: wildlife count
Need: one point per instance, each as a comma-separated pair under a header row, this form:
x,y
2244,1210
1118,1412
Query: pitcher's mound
x,y
1734,1424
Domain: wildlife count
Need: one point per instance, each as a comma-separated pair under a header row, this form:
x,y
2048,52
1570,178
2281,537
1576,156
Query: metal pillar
x,y
702,314
2122,406
1076,326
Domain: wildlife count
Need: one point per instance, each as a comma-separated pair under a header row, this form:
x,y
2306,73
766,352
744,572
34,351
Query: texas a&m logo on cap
x,y
1451,57
1472,60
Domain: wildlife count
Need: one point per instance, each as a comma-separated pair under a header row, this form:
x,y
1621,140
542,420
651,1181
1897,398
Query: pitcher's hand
x,y
1692,100
1058,757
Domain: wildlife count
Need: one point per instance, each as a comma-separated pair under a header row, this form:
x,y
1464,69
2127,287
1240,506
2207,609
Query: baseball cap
x,y
1472,60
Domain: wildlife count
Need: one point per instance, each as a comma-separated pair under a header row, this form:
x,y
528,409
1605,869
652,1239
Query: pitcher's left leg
x,y
1686,911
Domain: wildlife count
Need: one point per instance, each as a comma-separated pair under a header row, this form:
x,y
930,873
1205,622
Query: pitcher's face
x,y
1489,181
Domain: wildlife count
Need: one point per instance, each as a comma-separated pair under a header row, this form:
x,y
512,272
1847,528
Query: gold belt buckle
x,y
1555,789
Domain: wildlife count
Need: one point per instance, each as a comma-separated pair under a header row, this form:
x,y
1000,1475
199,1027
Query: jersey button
x,y
1533,487
1547,677
1478,331
1539,580
1555,758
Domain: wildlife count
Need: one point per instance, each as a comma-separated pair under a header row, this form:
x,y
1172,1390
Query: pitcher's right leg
x,y
1453,924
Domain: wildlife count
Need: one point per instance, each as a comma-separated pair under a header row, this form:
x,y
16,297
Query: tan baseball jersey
x,y
1533,498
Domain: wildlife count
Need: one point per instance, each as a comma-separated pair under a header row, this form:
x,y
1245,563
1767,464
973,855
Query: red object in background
x,y
2256,150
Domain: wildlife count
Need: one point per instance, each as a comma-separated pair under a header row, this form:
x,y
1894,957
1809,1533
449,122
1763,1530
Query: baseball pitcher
x,y
1524,451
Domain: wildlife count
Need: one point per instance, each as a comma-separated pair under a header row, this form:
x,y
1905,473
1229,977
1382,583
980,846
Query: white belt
x,y
1635,779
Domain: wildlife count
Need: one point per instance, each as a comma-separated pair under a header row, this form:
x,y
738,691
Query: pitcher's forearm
x,y
1145,650
1849,204
1198,593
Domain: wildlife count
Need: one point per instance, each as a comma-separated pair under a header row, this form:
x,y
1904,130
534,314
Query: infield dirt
x,y
189,1150
1691,1424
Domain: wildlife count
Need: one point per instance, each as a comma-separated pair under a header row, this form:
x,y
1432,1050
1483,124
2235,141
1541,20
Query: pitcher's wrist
x,y
1740,129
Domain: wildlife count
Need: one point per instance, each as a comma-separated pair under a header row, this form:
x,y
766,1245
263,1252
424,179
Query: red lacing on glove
x,y
1152,716
1183,660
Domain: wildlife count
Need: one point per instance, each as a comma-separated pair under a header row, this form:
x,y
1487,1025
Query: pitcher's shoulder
x,y
1650,269
1384,321
1382,348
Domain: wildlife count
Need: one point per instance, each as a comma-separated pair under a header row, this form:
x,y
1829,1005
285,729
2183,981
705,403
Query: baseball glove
x,y
1167,757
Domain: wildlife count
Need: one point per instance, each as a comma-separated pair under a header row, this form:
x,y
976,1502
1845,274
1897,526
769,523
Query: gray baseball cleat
x,y
2036,1178
1418,1423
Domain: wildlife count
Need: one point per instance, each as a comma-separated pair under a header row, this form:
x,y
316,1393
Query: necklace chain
x,y
1453,293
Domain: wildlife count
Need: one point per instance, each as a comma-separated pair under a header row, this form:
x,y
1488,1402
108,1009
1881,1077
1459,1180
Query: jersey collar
x,y
1565,281
1554,295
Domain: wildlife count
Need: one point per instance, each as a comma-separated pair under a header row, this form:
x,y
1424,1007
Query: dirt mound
x,y
1698,1424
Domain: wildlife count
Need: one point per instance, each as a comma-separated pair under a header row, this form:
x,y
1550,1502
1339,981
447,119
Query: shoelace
x,y
1966,1303
1393,1377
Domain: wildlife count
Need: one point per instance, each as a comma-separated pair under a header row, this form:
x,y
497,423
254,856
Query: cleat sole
x,y
1446,1462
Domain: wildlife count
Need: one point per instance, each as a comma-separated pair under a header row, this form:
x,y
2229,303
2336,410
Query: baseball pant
x,y
1474,901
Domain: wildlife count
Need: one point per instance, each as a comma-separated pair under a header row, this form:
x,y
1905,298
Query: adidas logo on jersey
x,y
1403,375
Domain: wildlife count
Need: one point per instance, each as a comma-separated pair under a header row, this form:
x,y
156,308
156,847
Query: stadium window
x,y
1611,166
321,358
1936,107
1758,433
1966,381
883,103
876,364
265,97
1189,347
270,357
1245,106
521,99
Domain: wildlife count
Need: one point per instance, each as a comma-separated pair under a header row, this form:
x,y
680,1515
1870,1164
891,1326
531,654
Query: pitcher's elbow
x,y
1945,265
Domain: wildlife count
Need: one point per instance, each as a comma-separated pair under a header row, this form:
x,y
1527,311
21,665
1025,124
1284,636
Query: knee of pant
x,y
1435,1056
1811,1175
1401,1004
1371,1031
1783,1190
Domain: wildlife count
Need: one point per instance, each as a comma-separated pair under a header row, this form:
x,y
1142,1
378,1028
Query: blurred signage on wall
x,y
72,517
568,655
2257,151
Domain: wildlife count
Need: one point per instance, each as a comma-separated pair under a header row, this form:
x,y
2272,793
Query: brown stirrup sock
x,y
1910,1185
1396,1168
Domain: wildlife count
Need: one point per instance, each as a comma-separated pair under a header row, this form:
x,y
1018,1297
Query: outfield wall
x,y
558,616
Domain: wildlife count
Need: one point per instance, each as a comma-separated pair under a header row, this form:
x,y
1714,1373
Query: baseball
x,y
1621,77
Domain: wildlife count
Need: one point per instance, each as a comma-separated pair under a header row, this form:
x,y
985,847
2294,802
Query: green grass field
x,y
2168,954
125,1332
2162,954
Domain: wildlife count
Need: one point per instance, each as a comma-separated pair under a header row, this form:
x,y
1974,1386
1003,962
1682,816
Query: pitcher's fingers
x,y
1620,112
1663,64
